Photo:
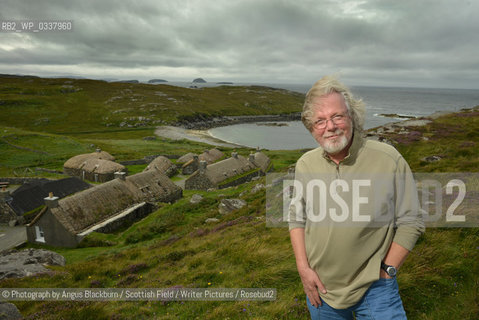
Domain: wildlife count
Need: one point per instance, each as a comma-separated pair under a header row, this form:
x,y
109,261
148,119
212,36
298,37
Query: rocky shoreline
x,y
201,122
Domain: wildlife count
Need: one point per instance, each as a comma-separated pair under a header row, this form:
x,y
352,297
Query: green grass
x,y
22,151
174,247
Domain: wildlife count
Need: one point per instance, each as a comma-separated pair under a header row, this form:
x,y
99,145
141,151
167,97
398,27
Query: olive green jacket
x,y
351,214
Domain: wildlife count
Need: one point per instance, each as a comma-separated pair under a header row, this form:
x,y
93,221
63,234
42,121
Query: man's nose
x,y
330,125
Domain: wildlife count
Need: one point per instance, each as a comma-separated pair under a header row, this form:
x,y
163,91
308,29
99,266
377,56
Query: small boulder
x,y
9,311
257,188
431,158
229,205
196,198
212,220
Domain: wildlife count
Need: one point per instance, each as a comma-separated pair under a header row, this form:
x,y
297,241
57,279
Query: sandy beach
x,y
177,133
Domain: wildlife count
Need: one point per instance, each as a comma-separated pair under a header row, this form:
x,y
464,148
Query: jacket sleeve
x,y
409,222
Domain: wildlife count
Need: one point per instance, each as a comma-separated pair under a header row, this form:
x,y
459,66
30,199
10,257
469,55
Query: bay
x,y
415,102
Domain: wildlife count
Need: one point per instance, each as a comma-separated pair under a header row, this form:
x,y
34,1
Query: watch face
x,y
391,271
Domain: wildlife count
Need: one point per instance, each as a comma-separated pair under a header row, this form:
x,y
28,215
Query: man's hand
x,y
309,277
311,285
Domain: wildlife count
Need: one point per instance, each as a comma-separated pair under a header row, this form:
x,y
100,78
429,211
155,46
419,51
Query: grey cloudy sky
x,y
430,43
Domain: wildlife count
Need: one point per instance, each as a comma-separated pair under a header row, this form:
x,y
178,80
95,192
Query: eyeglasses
x,y
337,120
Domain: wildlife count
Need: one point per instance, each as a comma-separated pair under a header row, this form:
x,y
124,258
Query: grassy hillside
x,y
175,247
22,151
70,106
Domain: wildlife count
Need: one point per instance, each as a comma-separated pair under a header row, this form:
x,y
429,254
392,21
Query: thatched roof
x,y
101,166
162,164
94,205
262,161
76,161
211,155
186,158
237,165
222,170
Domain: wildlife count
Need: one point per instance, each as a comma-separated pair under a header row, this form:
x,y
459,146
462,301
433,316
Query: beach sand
x,y
177,133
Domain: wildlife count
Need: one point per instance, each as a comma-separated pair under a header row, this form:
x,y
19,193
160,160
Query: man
x,y
356,216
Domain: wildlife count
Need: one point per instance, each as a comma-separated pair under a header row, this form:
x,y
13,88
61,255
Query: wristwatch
x,y
390,270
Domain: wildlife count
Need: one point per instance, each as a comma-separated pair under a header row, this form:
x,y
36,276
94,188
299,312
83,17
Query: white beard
x,y
336,145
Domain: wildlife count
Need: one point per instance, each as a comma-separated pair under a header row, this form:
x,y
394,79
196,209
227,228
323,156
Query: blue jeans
x,y
381,301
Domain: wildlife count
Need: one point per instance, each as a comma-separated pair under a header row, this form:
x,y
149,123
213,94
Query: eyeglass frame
x,y
333,119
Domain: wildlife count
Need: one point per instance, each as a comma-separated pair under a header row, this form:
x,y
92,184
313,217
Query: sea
x,y
379,101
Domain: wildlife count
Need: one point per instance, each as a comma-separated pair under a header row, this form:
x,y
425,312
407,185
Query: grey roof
x,y
31,196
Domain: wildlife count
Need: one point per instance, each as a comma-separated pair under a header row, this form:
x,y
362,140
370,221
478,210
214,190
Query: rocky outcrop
x,y
18,264
203,122
229,205
9,311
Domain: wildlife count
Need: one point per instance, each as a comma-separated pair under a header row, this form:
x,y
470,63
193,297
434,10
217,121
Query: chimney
x,y
4,194
251,157
234,155
51,201
202,166
120,175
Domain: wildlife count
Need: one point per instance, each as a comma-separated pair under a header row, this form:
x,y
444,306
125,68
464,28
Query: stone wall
x,y
198,181
147,159
21,180
6,213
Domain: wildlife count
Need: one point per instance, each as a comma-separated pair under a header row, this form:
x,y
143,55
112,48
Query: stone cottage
x,y
98,166
162,164
211,155
192,163
185,158
102,208
229,172
190,166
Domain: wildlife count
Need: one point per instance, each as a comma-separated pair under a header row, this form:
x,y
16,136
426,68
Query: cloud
x,y
424,43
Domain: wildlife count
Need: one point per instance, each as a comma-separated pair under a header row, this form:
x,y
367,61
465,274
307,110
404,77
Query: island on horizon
x,y
157,81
